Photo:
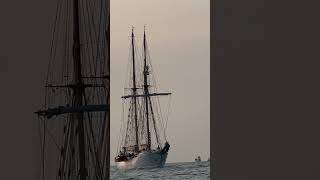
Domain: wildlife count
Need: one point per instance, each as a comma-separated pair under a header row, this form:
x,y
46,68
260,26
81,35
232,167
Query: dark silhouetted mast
x,y
145,86
134,90
78,90
77,93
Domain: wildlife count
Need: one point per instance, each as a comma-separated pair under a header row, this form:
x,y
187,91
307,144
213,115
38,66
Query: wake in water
x,y
174,171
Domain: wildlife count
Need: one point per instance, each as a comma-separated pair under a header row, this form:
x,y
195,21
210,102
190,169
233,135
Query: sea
x,y
174,171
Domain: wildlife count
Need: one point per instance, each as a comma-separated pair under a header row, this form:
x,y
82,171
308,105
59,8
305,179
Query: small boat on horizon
x,y
197,159
143,141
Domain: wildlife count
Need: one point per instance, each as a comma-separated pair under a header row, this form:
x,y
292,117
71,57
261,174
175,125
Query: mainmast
x,y
146,90
134,90
78,89
77,93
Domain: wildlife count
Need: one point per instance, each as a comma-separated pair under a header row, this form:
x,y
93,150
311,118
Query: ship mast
x,y
146,90
83,153
78,89
134,91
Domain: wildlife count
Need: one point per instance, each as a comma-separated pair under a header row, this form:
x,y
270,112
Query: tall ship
x,y
143,142
74,119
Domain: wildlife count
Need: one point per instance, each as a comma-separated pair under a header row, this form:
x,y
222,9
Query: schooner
x,y
144,143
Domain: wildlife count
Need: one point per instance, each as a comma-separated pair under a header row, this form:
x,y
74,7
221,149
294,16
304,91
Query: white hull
x,y
144,159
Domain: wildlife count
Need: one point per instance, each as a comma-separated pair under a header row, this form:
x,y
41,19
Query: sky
x,y
178,33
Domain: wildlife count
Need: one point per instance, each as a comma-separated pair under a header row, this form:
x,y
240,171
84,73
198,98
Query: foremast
x,y
146,88
134,92
78,91
79,104
147,95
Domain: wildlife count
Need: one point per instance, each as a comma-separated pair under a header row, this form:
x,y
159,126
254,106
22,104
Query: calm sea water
x,y
174,171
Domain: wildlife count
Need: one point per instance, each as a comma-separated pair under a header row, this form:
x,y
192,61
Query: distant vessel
x,y
144,143
197,159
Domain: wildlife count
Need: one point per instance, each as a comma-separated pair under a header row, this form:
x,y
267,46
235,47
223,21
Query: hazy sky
x,y
179,40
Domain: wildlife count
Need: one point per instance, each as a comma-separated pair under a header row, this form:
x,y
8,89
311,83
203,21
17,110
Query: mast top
x,y
132,31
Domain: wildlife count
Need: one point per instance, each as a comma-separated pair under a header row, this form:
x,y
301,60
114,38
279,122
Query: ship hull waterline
x,y
144,160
